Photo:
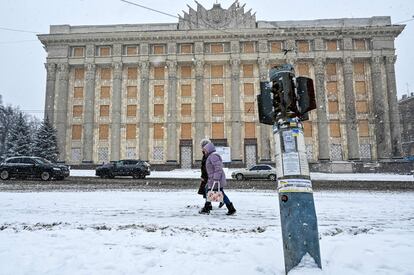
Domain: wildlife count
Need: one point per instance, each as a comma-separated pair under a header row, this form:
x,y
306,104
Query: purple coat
x,y
214,166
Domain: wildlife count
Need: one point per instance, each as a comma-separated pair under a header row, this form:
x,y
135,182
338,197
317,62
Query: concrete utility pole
x,y
284,103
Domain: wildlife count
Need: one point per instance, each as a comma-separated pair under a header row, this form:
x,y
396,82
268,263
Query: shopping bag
x,y
215,195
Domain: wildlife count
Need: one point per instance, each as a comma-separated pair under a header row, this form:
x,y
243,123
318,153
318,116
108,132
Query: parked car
x,y
138,169
262,171
32,167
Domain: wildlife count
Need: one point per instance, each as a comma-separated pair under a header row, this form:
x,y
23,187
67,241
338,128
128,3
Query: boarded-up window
x,y
362,107
159,72
302,46
248,47
185,71
132,92
131,50
158,49
303,69
186,90
359,68
363,128
158,109
132,73
131,131
249,108
334,128
103,131
216,48
76,132
104,110
360,44
248,89
217,109
186,130
78,51
217,70
186,48
360,87
332,45
159,90
77,110
333,107
276,47
105,92
185,109
78,92
332,88
307,129
104,51
79,73
217,130
249,130
331,69
158,131
248,70
105,73
132,110
216,89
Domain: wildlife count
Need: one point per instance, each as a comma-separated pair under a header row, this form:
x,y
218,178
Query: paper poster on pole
x,y
225,153
294,185
291,164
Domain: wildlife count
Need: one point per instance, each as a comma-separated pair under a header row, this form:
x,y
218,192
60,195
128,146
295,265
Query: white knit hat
x,y
204,141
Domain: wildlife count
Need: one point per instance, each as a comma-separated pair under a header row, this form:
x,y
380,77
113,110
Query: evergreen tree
x,y
45,142
18,140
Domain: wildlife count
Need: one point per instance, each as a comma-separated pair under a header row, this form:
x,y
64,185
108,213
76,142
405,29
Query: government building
x,y
153,91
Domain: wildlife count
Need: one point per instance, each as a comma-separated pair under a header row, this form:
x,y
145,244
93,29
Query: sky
x,y
23,75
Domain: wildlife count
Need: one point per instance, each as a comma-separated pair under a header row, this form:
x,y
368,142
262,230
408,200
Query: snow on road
x,y
159,232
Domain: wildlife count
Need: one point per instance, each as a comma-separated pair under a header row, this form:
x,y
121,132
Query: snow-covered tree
x,y
45,142
18,140
8,117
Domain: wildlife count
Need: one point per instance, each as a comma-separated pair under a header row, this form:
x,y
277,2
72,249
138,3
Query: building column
x,y
350,112
199,103
116,111
50,91
322,118
89,114
381,118
236,123
264,129
393,106
144,112
62,108
172,124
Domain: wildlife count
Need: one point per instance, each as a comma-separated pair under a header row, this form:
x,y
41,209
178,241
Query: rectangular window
x,y
332,88
158,49
158,109
79,73
76,132
359,68
104,110
132,73
360,88
131,50
105,92
159,90
333,107
216,89
360,44
186,90
249,108
362,107
302,46
303,69
248,47
248,70
331,69
217,109
78,51
103,132
185,109
217,71
131,131
332,45
185,130
185,71
132,110
77,111
104,51
216,48
186,48
159,72
334,128
158,131
248,89
217,130
249,130
307,129
363,127
132,92
106,73
78,92
276,47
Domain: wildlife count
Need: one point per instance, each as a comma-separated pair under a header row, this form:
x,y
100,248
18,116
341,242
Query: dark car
x,y
138,169
32,167
262,171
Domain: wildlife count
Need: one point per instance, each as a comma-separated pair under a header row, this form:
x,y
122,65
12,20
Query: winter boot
x,y
231,209
221,204
206,209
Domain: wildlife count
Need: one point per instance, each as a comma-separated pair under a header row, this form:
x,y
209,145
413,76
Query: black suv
x,y
32,167
138,169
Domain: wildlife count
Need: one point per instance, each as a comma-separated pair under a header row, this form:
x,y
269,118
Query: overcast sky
x,y
22,72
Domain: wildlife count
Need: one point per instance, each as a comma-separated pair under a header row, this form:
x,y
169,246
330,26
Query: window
x,y
216,89
158,131
132,73
217,109
248,47
78,51
185,90
79,73
158,49
333,107
132,92
217,71
158,109
331,69
76,132
362,107
307,129
131,131
185,71
332,88
77,111
132,110
303,69
103,132
104,51
104,110
159,72
249,130
217,130
105,92
276,47
131,50
332,45
334,128
248,89
360,88
185,109
186,130
78,92
360,44
159,90
302,46
186,48
363,126
217,48
359,68
106,73
249,108
248,70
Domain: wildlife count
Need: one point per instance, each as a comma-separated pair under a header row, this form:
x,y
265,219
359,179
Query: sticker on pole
x,y
294,185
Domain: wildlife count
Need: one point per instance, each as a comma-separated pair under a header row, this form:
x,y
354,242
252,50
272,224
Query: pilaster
x,y
236,123
116,111
264,129
62,81
50,91
172,112
144,111
199,102
89,113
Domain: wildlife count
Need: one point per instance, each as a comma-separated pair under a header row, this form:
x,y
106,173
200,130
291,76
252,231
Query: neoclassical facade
x,y
153,91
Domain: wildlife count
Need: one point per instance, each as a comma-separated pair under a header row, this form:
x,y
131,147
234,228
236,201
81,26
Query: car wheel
x,y
272,177
136,176
4,175
45,176
239,177
111,176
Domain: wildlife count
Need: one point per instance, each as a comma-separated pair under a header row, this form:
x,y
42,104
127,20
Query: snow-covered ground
x,y
195,173
160,232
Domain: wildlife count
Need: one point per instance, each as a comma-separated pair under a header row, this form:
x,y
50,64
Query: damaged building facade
x,y
153,91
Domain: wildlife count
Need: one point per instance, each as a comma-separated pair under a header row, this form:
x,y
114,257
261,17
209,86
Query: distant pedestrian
x,y
216,176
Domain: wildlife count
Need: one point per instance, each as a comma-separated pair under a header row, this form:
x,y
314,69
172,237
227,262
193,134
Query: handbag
x,y
215,195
